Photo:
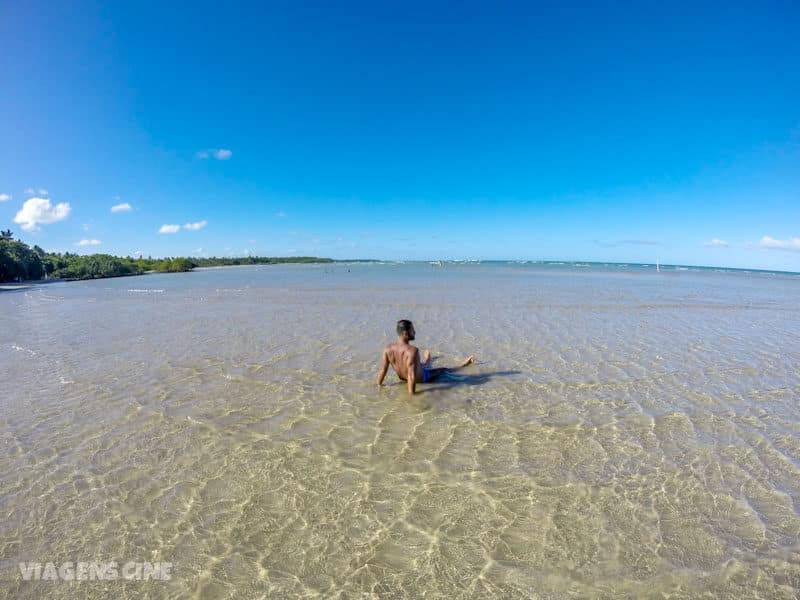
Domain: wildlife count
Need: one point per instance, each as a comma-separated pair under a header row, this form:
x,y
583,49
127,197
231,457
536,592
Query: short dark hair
x,y
404,326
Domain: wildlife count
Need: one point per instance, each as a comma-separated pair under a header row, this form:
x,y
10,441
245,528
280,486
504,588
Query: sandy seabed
x,y
623,435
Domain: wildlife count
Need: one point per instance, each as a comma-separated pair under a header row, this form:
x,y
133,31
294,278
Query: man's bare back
x,y
404,359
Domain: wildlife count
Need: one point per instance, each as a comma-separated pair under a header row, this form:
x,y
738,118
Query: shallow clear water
x,y
625,433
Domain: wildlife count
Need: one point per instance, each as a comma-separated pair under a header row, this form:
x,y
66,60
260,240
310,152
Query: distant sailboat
x,y
658,265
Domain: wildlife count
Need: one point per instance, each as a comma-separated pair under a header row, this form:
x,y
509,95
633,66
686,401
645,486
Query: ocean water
x,y
625,433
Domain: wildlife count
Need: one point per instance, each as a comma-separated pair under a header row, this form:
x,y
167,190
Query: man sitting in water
x,y
405,361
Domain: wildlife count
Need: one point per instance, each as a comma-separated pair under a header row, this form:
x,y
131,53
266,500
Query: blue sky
x,y
628,132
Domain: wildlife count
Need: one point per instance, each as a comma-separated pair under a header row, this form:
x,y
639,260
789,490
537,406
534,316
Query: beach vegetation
x,y
19,262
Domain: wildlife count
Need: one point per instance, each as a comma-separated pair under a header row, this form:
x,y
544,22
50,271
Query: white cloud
x,y
792,244
30,191
195,226
280,214
40,192
89,243
124,207
138,254
218,153
43,192
4,197
39,211
169,229
716,242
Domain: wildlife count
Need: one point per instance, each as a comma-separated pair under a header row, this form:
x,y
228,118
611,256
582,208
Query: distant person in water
x,y
405,360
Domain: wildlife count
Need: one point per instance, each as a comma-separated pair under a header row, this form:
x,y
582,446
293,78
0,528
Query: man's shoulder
x,y
405,348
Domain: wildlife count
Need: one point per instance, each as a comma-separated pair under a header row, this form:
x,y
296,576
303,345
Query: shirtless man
x,y
405,361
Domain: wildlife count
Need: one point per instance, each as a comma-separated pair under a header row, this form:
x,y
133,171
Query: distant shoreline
x,y
10,286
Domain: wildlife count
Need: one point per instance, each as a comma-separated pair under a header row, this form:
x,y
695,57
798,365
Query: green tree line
x,y
18,262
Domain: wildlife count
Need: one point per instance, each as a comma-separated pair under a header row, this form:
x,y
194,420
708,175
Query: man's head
x,y
405,329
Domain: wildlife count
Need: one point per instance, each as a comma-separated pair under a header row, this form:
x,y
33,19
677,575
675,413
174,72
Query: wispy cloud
x,y
4,197
124,207
792,244
716,243
169,229
85,227
195,226
91,242
605,244
34,192
280,214
641,242
39,211
217,153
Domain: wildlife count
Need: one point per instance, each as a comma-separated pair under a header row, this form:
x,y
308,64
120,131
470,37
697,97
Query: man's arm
x,y
384,367
411,370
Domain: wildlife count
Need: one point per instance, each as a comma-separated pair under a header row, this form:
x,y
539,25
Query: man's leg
x,y
467,361
434,373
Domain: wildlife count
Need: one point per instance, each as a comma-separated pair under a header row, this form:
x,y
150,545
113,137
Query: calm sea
x,y
624,433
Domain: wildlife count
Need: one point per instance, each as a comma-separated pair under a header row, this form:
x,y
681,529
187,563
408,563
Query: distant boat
x,y
658,266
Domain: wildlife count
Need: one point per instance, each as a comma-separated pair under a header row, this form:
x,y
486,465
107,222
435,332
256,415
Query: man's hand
x,y
384,367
